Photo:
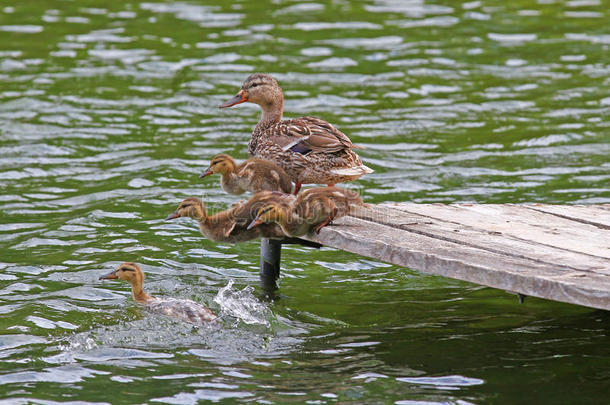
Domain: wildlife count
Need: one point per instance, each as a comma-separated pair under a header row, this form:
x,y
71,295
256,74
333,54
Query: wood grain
x,y
556,252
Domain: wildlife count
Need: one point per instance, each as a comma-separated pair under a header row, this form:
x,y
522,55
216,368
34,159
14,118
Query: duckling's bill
x,y
255,222
206,173
173,215
110,276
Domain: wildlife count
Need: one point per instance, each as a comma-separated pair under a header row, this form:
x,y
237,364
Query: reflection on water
x,y
108,113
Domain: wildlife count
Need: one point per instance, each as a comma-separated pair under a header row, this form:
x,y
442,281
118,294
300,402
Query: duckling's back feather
x,y
186,310
263,175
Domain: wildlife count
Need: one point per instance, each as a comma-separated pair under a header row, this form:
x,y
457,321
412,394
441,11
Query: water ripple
x,y
64,374
105,128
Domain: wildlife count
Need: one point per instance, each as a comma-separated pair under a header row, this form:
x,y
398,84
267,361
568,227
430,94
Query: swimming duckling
x,y
312,210
231,225
186,310
252,175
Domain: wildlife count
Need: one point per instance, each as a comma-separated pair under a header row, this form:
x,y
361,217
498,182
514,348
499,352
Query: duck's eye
x,y
254,85
126,269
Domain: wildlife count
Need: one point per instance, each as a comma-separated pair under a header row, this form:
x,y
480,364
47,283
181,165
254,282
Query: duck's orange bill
x,y
173,215
241,97
206,173
110,276
255,222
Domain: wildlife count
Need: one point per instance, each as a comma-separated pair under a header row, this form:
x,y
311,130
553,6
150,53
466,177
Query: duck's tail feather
x,y
353,171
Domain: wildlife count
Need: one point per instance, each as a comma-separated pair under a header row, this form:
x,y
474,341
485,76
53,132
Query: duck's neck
x,y
205,225
229,183
272,112
138,293
200,217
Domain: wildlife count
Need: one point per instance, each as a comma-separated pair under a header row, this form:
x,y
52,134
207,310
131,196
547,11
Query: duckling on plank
x,y
231,225
312,210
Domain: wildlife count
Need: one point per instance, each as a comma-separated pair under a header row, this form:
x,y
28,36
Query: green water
x,y
108,114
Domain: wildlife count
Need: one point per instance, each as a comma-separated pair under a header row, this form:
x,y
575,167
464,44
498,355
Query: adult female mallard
x,y
309,149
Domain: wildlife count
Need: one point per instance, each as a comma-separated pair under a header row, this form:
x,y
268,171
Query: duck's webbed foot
x,y
327,220
297,187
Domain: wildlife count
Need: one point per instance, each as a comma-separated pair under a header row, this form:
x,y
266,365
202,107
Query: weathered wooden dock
x,y
557,252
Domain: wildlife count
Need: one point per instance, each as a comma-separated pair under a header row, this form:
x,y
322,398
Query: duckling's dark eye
x,y
126,269
254,85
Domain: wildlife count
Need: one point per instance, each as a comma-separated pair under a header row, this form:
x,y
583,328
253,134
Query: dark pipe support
x,y
271,252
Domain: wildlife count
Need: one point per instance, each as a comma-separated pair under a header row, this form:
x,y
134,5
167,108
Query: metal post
x,y
271,251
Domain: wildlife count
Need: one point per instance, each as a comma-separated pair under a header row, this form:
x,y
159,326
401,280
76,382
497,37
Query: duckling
x,y
231,225
186,310
252,175
312,210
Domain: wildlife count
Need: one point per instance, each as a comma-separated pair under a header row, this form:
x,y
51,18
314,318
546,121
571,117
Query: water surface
x,y
108,114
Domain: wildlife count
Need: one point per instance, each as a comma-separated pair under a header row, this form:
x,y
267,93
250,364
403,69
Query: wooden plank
x,y
493,241
493,253
518,221
596,215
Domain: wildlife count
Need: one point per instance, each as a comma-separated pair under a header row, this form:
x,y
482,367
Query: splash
x,y
242,304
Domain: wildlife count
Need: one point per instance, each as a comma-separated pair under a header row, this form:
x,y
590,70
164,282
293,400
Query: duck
x,y
183,309
309,149
253,175
311,210
231,225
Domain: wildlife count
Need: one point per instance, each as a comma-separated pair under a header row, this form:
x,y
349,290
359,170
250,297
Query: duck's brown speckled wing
x,y
308,134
